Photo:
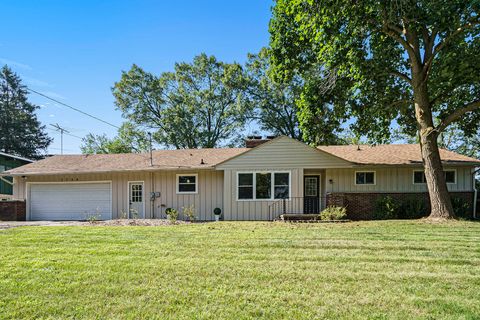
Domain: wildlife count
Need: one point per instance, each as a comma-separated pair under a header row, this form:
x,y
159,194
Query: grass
x,y
386,269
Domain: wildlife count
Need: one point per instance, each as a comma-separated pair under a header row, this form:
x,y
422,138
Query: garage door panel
x,y
70,201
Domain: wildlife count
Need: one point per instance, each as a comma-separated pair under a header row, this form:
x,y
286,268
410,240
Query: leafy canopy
x,y
377,49
20,131
128,140
199,105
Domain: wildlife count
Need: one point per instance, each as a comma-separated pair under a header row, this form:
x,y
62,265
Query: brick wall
x,y
361,206
12,210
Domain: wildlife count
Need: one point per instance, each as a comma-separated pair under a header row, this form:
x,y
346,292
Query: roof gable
x,y
284,152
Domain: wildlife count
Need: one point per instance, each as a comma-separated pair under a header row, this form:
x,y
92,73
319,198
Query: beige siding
x,y
208,197
388,179
255,209
284,152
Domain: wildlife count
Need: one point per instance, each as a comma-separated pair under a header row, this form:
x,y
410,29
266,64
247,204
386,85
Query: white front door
x,y
135,200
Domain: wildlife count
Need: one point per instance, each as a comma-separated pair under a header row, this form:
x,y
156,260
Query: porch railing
x,y
296,205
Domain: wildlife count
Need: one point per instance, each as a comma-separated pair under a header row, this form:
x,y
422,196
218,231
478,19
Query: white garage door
x,y
70,201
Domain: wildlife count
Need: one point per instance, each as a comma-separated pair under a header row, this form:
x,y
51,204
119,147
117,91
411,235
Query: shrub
x,y
333,213
189,212
413,207
461,208
134,213
172,214
386,208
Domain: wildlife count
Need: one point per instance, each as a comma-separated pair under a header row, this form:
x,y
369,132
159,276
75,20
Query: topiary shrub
x,y
386,208
333,213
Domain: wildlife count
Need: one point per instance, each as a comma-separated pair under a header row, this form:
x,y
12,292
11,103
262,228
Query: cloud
x,y
51,115
16,64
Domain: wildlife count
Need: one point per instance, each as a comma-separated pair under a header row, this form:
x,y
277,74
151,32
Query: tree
x,y
20,131
277,104
199,105
407,61
128,140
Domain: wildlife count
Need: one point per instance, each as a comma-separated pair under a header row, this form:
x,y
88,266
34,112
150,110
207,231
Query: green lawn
x,y
243,270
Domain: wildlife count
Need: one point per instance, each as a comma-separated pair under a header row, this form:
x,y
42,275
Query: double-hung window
x,y
263,185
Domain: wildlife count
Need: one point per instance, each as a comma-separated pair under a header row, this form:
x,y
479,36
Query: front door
x,y
135,200
311,202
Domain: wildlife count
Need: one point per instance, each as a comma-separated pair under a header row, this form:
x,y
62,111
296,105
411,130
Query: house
x,y
259,183
7,162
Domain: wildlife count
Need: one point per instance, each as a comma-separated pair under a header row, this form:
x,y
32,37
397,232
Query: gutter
x,y
475,193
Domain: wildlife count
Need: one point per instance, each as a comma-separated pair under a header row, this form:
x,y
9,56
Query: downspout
x,y
475,193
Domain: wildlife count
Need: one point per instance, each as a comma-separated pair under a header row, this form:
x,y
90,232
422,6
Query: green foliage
x,y
365,45
461,208
386,208
128,140
413,207
20,131
189,213
333,213
199,105
172,214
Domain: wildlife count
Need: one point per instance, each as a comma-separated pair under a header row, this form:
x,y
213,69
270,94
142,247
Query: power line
x,y
73,108
68,134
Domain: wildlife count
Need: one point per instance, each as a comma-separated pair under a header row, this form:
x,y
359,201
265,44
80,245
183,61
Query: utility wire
x,y
73,108
68,134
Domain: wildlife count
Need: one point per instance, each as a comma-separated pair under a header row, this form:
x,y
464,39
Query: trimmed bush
x,y
386,208
461,208
333,213
413,208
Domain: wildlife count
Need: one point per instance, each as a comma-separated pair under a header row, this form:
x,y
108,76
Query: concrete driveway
x,y
14,224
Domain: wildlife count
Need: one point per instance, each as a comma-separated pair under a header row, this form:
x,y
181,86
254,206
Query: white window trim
x,y
424,183
272,185
143,196
184,175
365,184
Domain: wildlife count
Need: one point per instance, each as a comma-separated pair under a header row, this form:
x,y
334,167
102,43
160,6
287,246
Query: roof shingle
x,y
392,154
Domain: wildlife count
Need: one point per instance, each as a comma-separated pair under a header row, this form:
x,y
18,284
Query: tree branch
x,y
401,75
445,42
457,114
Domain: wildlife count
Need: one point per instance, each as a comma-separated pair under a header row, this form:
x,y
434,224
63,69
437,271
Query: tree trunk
x,y
440,202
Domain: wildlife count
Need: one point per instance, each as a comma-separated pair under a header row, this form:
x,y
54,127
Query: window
x,y
2,168
364,177
136,192
187,183
263,185
419,176
245,186
282,185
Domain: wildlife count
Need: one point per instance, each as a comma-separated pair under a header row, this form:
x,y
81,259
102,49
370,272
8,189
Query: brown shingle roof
x,y
162,159
392,154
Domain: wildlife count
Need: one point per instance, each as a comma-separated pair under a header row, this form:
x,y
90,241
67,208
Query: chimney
x,y
253,141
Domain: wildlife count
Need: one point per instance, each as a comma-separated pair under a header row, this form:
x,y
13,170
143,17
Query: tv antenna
x,y
62,131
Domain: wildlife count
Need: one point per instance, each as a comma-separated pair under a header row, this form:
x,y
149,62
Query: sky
x,y
74,51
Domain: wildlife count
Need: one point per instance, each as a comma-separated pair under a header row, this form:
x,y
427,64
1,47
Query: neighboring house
x,y
245,183
7,162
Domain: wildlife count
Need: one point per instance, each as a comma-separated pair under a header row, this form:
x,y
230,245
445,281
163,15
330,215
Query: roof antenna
x,y
151,153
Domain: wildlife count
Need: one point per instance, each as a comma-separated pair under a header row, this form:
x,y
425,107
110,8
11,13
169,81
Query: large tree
x,y
199,105
277,104
128,140
20,131
408,61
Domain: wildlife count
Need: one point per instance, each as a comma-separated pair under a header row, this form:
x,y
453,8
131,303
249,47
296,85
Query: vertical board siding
x,y
395,179
209,196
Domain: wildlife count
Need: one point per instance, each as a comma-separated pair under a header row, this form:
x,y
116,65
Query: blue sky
x,y
74,51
